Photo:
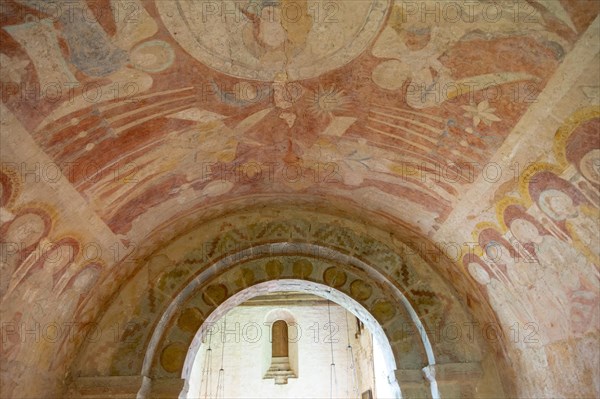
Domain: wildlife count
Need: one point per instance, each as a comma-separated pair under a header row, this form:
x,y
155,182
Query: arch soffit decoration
x,y
390,277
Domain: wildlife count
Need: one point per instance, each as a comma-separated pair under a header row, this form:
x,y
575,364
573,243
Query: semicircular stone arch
x,y
305,286
239,255
209,292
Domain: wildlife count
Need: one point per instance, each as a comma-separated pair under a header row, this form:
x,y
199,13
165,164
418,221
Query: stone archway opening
x,y
380,301
194,374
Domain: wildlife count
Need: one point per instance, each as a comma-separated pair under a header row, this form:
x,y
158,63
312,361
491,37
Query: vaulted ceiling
x,y
127,124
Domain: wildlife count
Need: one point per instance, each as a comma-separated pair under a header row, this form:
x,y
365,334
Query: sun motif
x,y
327,101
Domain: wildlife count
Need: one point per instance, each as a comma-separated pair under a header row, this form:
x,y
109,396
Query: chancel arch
x,y
355,289
426,326
284,320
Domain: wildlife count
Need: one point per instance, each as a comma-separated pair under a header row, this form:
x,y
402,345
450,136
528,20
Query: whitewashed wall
x,y
246,355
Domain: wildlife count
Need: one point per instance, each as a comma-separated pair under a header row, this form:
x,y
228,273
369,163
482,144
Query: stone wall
x,y
246,355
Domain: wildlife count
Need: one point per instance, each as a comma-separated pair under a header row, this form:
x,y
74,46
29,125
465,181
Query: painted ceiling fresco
x,y
419,137
194,102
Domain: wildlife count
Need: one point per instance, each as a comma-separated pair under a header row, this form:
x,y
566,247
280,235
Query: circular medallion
x,y
173,357
269,40
335,277
190,320
360,290
214,294
302,268
274,268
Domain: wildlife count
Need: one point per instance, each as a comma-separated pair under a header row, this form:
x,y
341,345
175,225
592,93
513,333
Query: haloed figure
x,y
277,28
583,227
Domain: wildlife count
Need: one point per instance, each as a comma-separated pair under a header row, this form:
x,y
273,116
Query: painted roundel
x,y
274,39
